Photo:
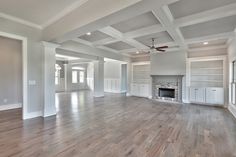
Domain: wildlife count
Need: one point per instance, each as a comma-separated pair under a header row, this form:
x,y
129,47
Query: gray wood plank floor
x,y
119,126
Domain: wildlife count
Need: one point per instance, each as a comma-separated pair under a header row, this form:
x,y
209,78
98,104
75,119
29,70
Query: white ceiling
x,y
39,12
95,36
137,22
119,46
185,25
182,25
222,25
219,42
162,37
188,7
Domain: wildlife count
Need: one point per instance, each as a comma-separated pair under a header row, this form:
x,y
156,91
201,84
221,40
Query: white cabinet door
x,y
215,95
135,89
192,95
197,95
144,90
200,95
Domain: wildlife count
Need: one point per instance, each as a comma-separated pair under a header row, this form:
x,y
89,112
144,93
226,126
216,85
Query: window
x,y
74,77
81,76
57,74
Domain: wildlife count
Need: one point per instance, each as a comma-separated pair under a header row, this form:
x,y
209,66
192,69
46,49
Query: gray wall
x,y
112,70
35,60
172,63
11,71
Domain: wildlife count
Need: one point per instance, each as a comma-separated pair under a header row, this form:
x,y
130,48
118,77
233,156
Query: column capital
x,y
50,44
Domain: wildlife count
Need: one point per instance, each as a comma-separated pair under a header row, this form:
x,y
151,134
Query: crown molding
x,y
19,20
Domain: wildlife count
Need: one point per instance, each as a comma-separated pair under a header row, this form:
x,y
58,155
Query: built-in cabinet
x,y
141,90
197,94
207,95
206,80
141,79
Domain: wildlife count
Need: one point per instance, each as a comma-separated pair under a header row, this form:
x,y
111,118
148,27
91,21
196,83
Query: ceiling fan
x,y
160,49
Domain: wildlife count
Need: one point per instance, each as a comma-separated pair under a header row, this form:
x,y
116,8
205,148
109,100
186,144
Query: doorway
x,y
14,69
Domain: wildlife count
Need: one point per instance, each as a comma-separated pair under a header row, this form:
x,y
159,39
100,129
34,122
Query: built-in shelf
x,y
207,73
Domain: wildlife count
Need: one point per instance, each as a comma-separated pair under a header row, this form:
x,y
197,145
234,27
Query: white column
x,y
49,52
99,77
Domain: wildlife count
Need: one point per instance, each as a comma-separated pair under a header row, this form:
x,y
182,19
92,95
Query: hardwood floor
x,y
119,126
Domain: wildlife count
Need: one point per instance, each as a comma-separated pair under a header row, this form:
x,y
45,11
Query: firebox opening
x,y
166,93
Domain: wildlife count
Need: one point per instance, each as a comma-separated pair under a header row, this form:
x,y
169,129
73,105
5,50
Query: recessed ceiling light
x,y
89,33
205,43
137,52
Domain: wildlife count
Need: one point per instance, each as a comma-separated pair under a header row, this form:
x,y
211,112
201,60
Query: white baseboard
x,y
186,101
232,109
10,106
33,115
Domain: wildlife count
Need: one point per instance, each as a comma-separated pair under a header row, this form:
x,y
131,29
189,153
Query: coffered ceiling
x,y
183,25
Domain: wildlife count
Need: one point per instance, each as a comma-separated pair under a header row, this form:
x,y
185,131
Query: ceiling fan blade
x,y
163,47
160,50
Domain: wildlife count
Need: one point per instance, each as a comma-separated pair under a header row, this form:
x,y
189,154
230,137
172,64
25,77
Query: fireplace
x,y
166,93
167,87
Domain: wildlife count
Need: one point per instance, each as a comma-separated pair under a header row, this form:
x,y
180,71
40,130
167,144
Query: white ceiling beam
x,y
213,14
105,41
207,48
145,31
166,19
108,49
133,34
120,36
227,35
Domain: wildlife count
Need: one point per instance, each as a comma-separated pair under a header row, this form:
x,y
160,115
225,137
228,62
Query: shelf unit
x,y
206,79
140,83
207,73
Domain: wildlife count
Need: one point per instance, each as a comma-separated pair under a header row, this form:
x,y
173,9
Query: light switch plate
x,y
32,82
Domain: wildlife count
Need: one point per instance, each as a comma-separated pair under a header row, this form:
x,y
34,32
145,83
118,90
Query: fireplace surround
x,y
167,87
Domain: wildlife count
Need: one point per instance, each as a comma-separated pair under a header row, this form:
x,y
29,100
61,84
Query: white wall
x,y
171,63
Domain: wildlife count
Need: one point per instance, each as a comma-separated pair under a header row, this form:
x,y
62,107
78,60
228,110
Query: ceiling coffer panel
x,y
119,46
160,38
210,43
188,7
137,22
95,36
218,26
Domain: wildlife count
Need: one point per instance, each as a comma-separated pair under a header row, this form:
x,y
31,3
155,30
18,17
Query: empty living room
x,y
118,78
